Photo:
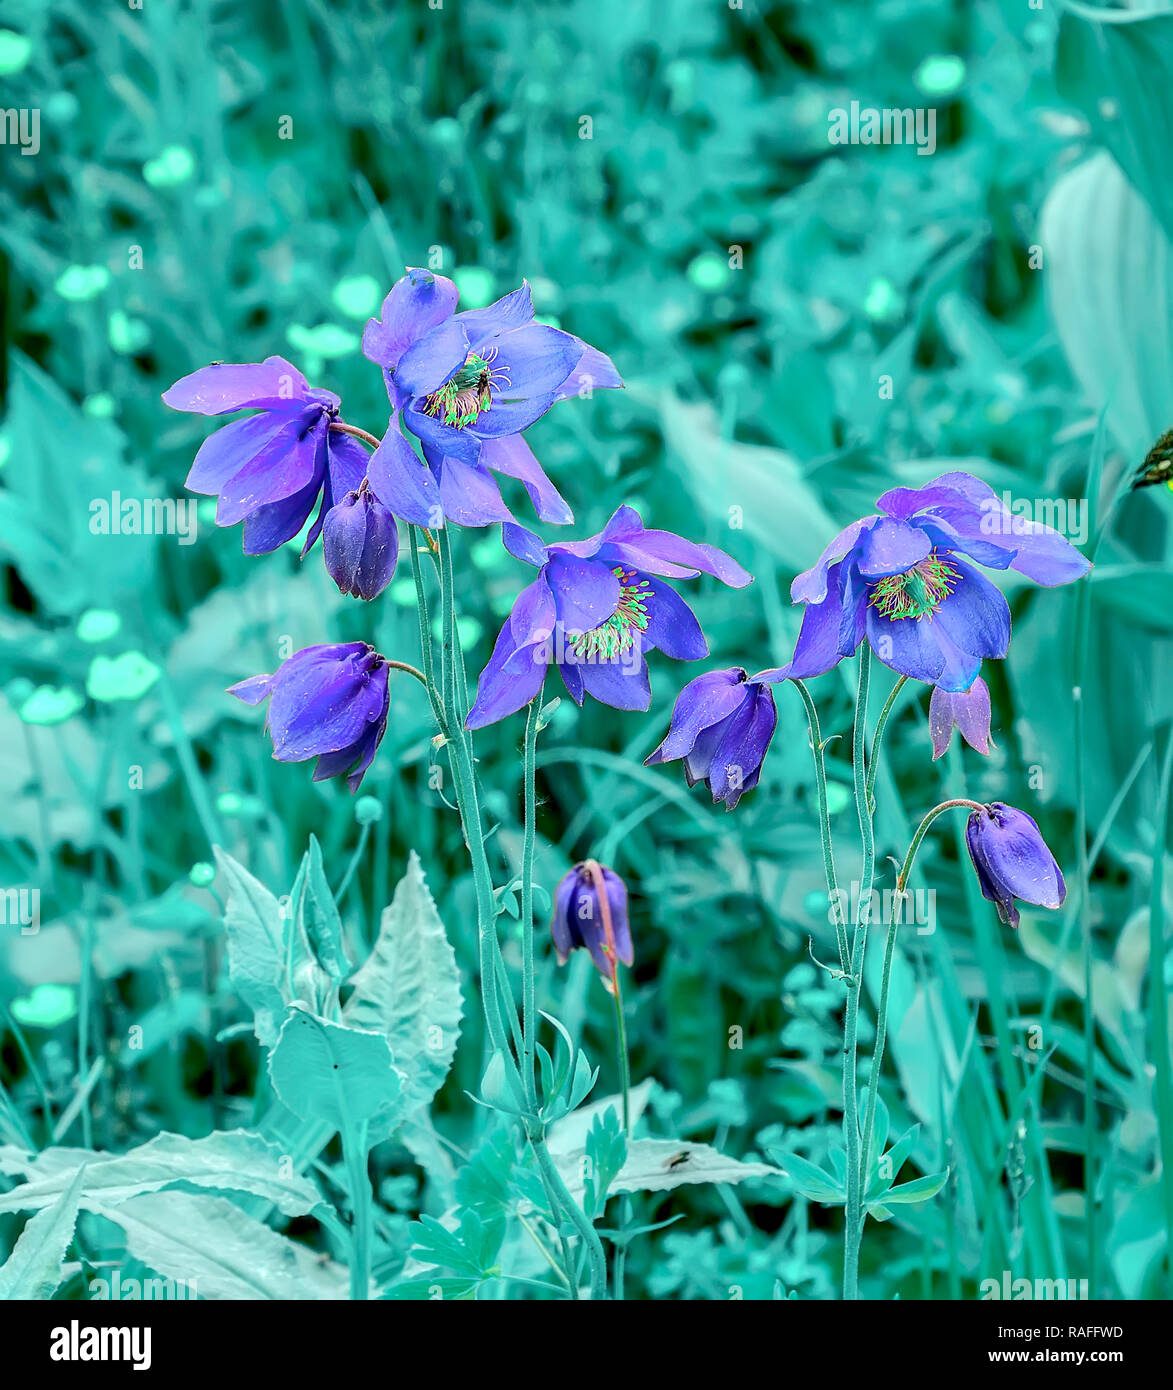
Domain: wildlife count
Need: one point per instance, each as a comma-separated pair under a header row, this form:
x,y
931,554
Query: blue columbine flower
x,y
967,710
590,909
1012,860
466,385
360,544
898,578
328,702
269,469
721,726
595,608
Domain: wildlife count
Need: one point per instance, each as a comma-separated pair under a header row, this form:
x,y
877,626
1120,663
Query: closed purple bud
x,y
327,702
360,542
1012,861
721,727
968,709
590,909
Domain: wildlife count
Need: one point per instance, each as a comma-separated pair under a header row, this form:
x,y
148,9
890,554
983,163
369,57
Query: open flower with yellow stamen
x,y
595,608
906,579
467,385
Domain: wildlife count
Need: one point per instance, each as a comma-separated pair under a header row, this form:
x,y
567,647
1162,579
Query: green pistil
x,y
464,395
917,593
616,635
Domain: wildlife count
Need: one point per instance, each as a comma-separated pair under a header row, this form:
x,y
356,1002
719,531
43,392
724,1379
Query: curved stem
x,y
877,739
854,1223
922,829
812,719
341,427
411,670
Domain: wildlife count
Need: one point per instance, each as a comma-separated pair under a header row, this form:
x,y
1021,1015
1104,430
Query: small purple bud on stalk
x,y
360,542
590,909
968,710
1012,861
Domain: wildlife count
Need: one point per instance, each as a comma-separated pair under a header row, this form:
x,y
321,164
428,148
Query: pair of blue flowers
x,y
907,580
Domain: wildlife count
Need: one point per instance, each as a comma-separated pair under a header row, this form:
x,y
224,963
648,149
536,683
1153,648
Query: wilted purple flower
x,y
898,579
268,469
328,702
594,610
1012,860
968,709
360,544
466,385
722,725
590,909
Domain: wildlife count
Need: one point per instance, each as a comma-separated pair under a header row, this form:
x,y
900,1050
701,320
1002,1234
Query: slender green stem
x,y
1158,1005
877,739
596,1259
865,1162
364,834
922,830
529,1012
619,1262
829,874
854,1223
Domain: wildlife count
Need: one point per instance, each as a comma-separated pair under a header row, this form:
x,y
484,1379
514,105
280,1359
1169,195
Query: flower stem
x,y
620,1259
552,1178
354,1147
343,428
829,874
877,738
922,829
854,1224
529,1013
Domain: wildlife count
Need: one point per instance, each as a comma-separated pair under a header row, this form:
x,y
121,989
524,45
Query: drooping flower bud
x,y
968,709
590,909
328,702
1012,861
360,542
721,726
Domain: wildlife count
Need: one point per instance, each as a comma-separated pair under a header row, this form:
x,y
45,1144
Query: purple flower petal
x,y
275,523
534,360
595,372
811,585
511,311
745,737
507,417
975,616
672,625
523,544
968,709
818,647
417,303
443,441
514,457
290,459
225,452
891,547
621,684
253,690
470,495
515,671
586,592
428,363
403,482
703,702
273,384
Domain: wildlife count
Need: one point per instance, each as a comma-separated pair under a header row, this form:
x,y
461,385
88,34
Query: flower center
x,y
918,592
465,394
617,634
